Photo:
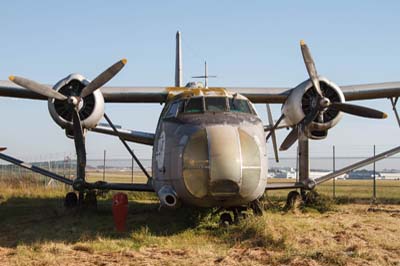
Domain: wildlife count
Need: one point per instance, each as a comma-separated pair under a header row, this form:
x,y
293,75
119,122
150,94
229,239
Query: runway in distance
x,y
209,148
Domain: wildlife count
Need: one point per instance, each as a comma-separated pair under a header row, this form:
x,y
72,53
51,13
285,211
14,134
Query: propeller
x,y
103,78
38,88
312,71
323,103
272,131
358,110
290,139
47,91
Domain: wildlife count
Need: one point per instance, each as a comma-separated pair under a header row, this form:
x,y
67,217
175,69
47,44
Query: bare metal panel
x,y
225,159
251,164
195,164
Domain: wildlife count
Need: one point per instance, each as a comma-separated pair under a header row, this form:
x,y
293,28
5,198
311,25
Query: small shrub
x,y
321,203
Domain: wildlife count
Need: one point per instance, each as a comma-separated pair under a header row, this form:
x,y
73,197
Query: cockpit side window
x,y
216,104
194,105
238,105
173,109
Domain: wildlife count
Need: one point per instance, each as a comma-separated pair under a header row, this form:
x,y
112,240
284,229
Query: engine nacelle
x,y
91,107
302,99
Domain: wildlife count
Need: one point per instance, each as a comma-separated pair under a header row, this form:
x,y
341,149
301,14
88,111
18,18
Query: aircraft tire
x,y
71,200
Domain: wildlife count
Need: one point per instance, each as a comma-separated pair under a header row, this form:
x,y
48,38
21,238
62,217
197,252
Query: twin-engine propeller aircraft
x,y
209,148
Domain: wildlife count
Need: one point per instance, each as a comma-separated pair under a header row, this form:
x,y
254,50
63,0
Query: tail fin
x,y
178,61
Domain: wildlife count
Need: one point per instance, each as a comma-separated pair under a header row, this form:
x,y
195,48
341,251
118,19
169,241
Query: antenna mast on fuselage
x,y
206,76
178,61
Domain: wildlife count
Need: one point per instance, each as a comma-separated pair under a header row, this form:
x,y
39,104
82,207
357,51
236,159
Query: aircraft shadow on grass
x,y
26,220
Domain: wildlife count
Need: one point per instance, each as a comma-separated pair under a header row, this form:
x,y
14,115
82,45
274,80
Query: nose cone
x,y
225,160
222,162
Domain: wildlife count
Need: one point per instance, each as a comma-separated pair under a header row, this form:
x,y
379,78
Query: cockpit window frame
x,y
178,104
226,109
182,104
187,101
246,101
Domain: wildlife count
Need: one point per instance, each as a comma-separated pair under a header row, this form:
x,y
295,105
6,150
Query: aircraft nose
x,y
222,162
225,161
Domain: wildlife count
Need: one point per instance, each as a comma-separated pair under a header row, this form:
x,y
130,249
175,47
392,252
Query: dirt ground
x,y
349,235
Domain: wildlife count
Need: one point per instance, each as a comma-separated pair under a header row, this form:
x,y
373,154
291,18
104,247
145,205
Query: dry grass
x,y
36,230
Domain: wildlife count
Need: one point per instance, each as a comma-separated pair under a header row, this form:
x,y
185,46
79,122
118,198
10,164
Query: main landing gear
x,y
85,200
293,200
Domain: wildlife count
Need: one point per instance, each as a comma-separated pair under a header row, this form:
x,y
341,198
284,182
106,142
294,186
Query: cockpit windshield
x,y
194,105
237,105
216,104
208,104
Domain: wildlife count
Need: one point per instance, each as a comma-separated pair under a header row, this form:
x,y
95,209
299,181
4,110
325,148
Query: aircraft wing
x,y
128,135
254,94
371,91
9,89
351,92
111,94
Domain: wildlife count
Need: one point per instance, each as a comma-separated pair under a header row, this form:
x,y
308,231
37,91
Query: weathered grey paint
x,y
225,174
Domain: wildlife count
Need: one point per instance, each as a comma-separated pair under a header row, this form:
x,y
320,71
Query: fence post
x,y
333,168
374,190
132,170
104,166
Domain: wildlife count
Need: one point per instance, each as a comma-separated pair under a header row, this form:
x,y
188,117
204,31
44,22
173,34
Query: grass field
x,y
35,229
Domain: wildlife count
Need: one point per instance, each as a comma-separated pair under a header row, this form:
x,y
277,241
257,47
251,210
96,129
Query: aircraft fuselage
x,y
209,151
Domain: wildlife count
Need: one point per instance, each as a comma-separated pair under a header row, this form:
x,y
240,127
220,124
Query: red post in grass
x,y
120,211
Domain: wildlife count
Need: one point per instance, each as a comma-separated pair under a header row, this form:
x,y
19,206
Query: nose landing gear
x,y
239,213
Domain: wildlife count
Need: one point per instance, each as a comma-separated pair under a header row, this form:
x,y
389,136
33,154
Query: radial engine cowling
x,y
303,98
91,107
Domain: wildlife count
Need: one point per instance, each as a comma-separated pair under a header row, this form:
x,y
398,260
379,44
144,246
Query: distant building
x,y
288,173
363,174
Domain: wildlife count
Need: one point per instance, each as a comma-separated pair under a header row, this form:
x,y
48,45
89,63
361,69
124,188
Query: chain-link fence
x,y
380,181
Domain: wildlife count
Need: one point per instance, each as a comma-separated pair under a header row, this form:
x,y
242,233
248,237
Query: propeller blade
x,y
290,139
358,110
38,88
77,128
272,133
312,71
3,149
79,141
103,78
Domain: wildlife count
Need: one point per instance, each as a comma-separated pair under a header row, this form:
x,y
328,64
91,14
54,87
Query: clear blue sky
x,y
246,43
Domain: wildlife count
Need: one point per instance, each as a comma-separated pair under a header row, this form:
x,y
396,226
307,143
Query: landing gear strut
x,y
256,206
87,200
293,200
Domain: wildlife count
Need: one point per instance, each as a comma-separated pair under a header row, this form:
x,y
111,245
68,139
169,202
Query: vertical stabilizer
x,y
178,61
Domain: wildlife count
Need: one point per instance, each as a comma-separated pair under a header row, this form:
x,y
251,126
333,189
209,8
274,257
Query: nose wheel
x,y
225,219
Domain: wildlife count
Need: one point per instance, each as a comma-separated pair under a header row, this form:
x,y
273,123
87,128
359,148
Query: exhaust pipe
x,y
168,197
